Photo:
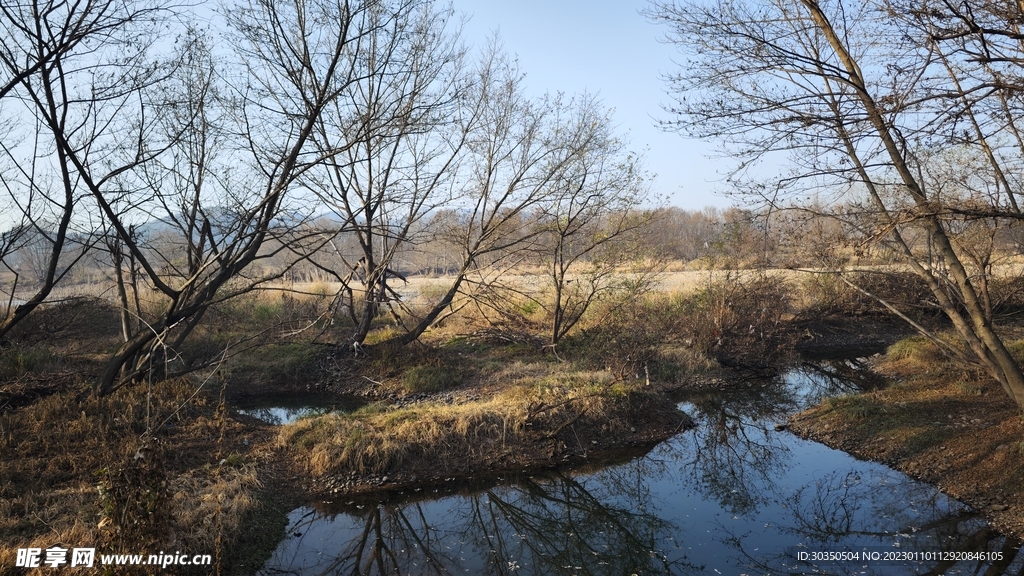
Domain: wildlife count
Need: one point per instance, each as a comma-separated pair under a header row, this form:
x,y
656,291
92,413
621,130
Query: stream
x,y
736,495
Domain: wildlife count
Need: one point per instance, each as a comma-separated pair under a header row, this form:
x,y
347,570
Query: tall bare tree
x,y
69,69
590,245
517,152
400,129
854,101
296,60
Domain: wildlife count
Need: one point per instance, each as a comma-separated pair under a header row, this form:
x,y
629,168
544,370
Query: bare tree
x,y
592,228
517,150
11,241
294,62
69,69
400,128
854,101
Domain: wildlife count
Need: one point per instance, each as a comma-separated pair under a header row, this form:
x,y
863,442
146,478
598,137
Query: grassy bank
x,y
172,467
545,417
938,421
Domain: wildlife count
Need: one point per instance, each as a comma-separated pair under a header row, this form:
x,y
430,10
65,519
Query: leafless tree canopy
x,y
198,162
896,119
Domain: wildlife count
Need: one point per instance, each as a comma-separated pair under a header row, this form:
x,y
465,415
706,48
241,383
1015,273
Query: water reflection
x,y
558,525
878,515
734,451
734,496
287,409
815,381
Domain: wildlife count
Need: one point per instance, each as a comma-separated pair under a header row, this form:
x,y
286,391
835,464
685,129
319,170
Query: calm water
x,y
287,409
733,496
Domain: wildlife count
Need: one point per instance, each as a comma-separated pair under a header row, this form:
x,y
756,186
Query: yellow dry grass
x,y
449,436
59,447
211,501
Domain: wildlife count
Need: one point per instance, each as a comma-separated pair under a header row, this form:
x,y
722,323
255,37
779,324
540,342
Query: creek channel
x,y
737,495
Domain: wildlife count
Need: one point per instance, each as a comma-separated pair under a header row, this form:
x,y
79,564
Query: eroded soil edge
x,y
936,423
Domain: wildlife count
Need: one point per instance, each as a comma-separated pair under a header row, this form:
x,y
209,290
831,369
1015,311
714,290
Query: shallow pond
x,y
733,496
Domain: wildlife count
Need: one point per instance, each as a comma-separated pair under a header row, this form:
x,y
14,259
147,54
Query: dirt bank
x,y
936,422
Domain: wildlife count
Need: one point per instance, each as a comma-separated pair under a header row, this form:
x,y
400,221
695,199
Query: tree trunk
x,y
976,330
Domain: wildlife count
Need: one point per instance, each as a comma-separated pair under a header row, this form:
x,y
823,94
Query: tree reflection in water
x,y
736,459
840,512
735,454
734,494
555,525
734,451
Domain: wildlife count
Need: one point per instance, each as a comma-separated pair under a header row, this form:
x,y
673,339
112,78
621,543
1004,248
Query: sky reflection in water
x,y
732,496
287,409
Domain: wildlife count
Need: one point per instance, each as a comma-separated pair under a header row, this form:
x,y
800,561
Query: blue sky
x,y
605,47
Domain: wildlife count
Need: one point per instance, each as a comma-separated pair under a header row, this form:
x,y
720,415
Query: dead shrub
x,y
731,319
1007,294
737,318
134,500
825,294
73,323
627,337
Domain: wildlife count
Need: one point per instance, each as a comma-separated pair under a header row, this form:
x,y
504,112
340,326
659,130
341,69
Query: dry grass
x,y
488,433
62,445
378,443
211,501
